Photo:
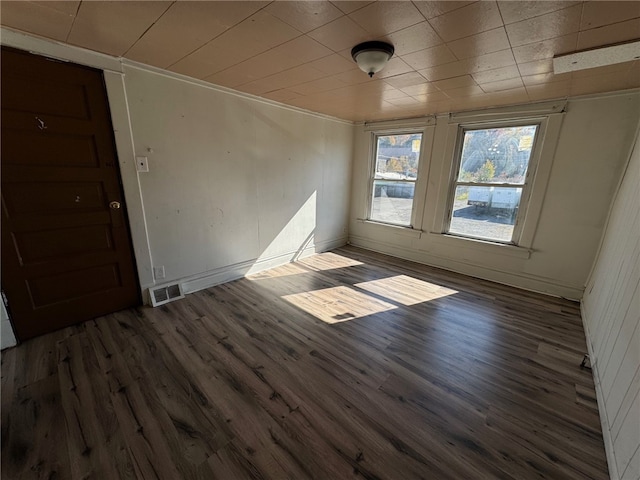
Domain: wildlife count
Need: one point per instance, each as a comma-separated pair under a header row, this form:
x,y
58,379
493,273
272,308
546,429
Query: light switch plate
x,y
158,272
142,164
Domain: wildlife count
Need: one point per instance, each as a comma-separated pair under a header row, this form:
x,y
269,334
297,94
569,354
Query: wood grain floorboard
x,y
343,365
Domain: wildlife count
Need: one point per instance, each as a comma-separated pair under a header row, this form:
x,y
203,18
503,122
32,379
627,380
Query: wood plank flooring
x,y
344,365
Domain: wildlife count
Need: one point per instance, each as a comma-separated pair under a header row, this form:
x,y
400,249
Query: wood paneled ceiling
x,y
450,55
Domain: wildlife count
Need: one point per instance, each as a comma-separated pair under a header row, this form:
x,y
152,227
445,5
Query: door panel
x,y
33,247
66,254
32,148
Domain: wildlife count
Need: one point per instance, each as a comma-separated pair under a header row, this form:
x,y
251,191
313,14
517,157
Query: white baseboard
x,y
604,419
239,270
522,281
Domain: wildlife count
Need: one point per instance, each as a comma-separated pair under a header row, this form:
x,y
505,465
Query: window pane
x,y
485,212
392,202
496,155
397,156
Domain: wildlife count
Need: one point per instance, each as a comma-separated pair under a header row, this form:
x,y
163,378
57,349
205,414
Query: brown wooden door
x,y
66,252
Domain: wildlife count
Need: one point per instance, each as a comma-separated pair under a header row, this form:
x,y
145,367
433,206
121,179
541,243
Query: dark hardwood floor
x,y
344,365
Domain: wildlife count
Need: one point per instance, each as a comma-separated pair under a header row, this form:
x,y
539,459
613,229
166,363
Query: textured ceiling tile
x,y
468,91
515,11
192,67
475,18
511,96
333,64
395,66
285,79
382,18
551,25
404,101
405,80
536,67
601,83
508,84
38,19
616,68
340,34
609,34
414,38
546,49
252,36
348,6
497,74
261,48
448,70
548,77
317,86
304,15
113,27
432,97
432,9
490,61
430,57
419,89
283,57
391,94
549,90
598,14
480,44
455,82
68,7
185,27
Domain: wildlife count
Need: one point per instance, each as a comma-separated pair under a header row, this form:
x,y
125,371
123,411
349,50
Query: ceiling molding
x,y
227,91
399,124
528,110
58,50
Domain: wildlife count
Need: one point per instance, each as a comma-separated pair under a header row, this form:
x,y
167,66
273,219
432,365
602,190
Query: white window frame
x,y
526,185
373,156
550,115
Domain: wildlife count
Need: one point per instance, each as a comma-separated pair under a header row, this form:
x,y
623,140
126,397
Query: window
x,y
489,190
393,180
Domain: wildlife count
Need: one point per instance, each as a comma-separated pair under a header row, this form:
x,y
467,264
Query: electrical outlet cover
x,y
142,164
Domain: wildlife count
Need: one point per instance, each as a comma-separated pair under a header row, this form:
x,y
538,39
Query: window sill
x,y
481,245
397,229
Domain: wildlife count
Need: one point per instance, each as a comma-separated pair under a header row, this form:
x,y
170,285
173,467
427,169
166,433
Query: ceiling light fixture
x,y
371,57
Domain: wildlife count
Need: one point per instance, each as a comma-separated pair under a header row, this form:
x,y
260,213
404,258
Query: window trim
x,y
540,123
373,150
446,139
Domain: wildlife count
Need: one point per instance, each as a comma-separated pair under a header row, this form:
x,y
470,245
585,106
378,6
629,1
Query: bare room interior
x,y
320,239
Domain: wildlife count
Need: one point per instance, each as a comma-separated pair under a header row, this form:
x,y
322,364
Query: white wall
x,y
611,314
594,139
234,184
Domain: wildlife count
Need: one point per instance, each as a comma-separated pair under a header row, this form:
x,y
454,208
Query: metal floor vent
x,y
165,294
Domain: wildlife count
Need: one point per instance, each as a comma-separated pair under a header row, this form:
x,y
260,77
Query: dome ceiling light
x,y
371,57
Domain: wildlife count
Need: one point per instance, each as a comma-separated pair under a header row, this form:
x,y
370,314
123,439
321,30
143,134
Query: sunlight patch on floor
x,y
329,261
314,263
406,290
338,304
281,271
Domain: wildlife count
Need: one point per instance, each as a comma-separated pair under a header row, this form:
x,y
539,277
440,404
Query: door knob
x,y
114,205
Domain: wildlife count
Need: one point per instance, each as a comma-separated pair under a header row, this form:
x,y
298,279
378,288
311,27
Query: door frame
x,y
113,73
